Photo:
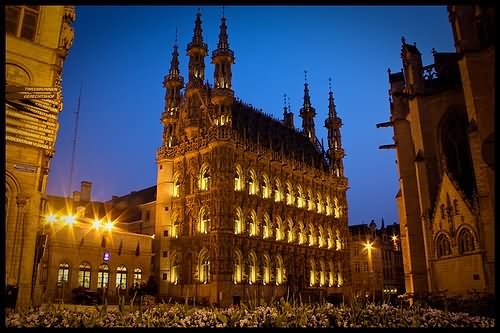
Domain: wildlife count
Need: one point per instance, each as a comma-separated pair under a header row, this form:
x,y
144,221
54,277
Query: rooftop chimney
x,y
85,190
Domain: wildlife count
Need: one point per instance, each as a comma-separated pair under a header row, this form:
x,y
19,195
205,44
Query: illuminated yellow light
x,y
109,226
70,219
394,238
368,246
51,218
153,236
97,224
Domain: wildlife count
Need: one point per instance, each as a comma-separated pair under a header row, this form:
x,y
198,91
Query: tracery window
x,y
331,274
280,270
300,197
443,246
465,241
291,231
331,240
322,273
252,183
319,204
302,234
239,226
328,206
338,243
174,268
277,191
175,227
266,187
312,238
336,208
252,268
321,237
289,194
312,272
238,179
84,275
137,276
280,235
203,221
268,231
254,229
310,201
204,178
177,187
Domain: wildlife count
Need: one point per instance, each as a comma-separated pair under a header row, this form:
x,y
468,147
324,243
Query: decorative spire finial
x,y
305,76
284,99
176,33
403,40
433,51
222,11
330,84
289,108
388,71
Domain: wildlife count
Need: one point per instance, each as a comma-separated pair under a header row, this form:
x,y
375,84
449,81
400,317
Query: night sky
x,y
121,53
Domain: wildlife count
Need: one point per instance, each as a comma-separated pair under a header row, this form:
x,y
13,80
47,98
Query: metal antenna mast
x,y
74,142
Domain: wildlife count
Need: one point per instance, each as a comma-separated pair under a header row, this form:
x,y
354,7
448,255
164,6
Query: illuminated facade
x,y
247,207
38,39
376,261
87,247
443,117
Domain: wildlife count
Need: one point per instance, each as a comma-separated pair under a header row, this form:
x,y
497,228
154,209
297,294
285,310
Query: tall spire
x,y
333,124
173,83
222,95
307,113
196,51
287,113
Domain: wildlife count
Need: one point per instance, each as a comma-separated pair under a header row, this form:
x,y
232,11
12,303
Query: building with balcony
x,y
443,117
376,262
247,206
37,40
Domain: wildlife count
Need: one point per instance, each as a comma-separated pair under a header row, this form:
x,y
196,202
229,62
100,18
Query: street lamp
x,y
369,247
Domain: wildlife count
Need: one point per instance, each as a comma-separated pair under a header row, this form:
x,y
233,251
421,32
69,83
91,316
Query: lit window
x,y
300,197
238,268
465,241
238,179
252,185
254,230
302,234
280,271
267,227
203,221
177,187
238,222
21,21
266,270
103,276
279,229
121,277
312,273
291,232
319,204
204,267
266,190
84,275
443,246
63,274
137,276
312,238
252,272
277,191
338,242
289,194
310,201
204,178
328,206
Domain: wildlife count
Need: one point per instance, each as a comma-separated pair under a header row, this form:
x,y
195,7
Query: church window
x,y
137,276
103,276
238,179
338,242
328,206
266,270
174,269
279,229
465,241
322,273
291,231
203,221
289,194
252,184
121,277
204,267
254,229
319,204
177,187
310,201
300,197
268,231
266,190
312,272
280,270
302,234
238,222
443,246
252,268
312,238
336,208
63,274
277,191
331,240
237,267
204,178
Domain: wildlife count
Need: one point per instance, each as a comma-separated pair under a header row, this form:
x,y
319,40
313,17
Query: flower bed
x,y
279,314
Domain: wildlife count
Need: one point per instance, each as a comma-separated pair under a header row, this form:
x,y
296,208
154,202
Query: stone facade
x,y
37,42
443,120
247,207
376,262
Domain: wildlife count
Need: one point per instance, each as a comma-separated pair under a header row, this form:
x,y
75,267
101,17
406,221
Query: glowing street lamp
x,y
109,226
51,218
96,224
69,219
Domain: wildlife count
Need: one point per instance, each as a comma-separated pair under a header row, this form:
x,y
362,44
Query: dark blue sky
x,y
121,54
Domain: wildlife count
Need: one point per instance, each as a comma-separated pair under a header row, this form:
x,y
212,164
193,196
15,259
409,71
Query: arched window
x,y
336,208
204,267
204,178
266,270
252,183
268,230
331,274
280,235
300,197
239,226
175,227
289,194
340,274
331,240
63,274
103,276
252,268
322,273
319,204
254,230
238,179
291,231
203,221
302,234
312,235
443,246
280,270
121,277
338,241
266,187
312,272
310,201
321,237
237,267
277,191
137,277
84,275
177,187
328,206
465,241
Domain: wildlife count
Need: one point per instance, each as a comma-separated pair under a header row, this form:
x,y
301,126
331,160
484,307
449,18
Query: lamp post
x,y
369,247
